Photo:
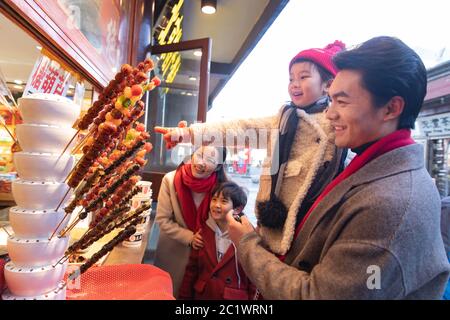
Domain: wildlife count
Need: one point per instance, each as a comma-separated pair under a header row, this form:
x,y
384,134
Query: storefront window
x,y
176,99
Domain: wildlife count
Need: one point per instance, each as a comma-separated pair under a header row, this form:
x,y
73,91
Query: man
x,y
374,232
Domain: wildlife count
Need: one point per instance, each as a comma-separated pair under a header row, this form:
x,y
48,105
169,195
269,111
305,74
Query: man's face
x,y
352,114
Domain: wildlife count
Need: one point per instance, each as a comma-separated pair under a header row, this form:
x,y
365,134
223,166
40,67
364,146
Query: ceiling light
x,y
18,81
192,78
189,94
198,53
183,93
209,6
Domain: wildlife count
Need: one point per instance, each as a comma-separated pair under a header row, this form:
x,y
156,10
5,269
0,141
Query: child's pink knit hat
x,y
322,57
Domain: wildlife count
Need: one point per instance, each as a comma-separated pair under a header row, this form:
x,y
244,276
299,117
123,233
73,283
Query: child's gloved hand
x,y
173,136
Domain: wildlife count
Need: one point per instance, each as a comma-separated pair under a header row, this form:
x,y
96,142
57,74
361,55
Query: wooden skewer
x,y
62,200
12,110
59,224
3,123
4,228
61,260
68,144
73,169
69,228
82,142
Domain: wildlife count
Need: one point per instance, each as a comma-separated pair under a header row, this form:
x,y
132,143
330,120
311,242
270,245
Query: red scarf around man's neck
x,y
185,183
397,139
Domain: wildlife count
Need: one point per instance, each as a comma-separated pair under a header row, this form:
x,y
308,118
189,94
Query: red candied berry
x,y
141,77
141,66
126,122
145,135
148,64
140,161
109,204
135,179
156,81
126,69
136,90
115,199
148,146
140,127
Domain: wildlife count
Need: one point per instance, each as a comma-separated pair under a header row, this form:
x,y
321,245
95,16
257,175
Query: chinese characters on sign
x,y
434,125
47,77
170,31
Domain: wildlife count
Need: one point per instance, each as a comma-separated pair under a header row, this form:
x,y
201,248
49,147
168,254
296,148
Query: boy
x,y
213,272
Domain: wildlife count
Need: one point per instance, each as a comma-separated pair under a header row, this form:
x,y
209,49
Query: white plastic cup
x,y
146,188
135,240
137,201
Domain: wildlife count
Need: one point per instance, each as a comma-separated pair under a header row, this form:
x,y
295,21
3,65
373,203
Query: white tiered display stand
x,y
33,272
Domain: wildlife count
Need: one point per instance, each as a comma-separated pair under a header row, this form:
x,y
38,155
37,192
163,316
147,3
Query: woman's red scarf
x,y
397,139
185,183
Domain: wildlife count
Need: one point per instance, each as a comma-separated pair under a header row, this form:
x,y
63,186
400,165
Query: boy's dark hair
x,y
233,191
389,68
325,75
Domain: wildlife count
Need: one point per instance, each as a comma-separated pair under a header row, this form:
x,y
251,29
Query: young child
x,y
213,272
304,158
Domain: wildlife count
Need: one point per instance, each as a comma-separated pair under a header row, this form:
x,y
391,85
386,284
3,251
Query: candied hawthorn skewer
x,y
94,232
103,251
103,195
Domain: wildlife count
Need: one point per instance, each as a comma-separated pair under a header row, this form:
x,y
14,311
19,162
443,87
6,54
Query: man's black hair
x,y
389,68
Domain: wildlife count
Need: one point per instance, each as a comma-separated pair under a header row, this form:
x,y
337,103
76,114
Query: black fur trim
x,y
272,214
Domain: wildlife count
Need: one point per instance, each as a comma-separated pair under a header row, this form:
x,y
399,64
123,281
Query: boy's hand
x,y
173,136
236,229
197,241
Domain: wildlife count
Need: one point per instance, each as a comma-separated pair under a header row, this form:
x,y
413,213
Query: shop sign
x,y
47,77
436,125
171,33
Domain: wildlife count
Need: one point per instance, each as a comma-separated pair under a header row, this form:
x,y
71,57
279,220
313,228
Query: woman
x,y
183,206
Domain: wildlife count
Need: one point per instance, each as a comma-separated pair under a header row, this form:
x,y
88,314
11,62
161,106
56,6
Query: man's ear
x,y
394,108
